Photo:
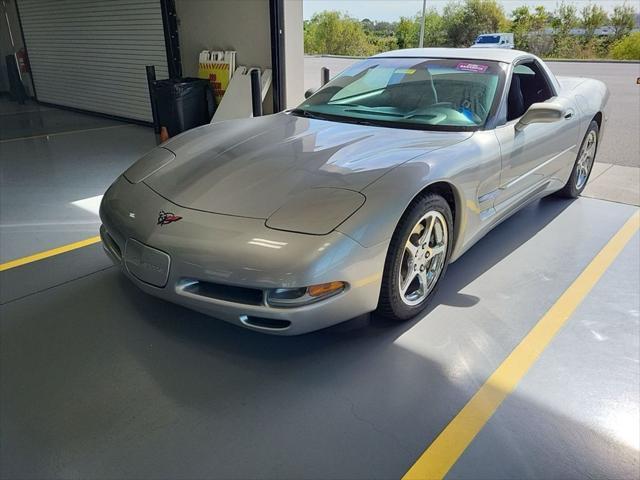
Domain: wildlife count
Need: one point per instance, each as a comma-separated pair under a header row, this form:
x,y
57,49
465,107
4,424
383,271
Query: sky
x,y
391,10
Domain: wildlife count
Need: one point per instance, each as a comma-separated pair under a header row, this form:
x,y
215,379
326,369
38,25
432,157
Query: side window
x,y
529,85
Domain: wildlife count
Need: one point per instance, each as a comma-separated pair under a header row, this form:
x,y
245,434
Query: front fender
x,y
472,171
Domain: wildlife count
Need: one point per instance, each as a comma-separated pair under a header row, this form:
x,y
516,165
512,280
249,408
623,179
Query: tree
x,y
335,33
464,21
622,20
407,32
528,29
434,33
367,25
593,16
564,20
540,18
627,48
521,26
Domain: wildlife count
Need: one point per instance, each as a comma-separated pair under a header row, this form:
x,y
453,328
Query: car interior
x,y
448,97
528,86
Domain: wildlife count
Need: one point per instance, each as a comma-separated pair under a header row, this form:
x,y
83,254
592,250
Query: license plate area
x,y
146,263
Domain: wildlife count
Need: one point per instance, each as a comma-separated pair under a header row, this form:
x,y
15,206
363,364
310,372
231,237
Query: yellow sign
x,y
218,74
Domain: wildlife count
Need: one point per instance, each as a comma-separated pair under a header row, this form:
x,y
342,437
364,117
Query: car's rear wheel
x,y
584,164
417,258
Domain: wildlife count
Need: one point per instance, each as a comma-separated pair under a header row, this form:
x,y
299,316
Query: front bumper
x,y
241,254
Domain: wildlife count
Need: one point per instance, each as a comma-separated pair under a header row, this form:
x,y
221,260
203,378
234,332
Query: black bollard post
x,y
256,93
324,76
151,79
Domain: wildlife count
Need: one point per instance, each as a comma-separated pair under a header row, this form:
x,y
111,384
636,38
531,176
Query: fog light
x,y
287,293
296,297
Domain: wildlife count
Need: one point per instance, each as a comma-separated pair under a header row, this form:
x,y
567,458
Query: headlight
x,y
296,297
149,164
317,211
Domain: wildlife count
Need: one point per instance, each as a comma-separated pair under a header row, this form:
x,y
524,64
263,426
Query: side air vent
x,y
265,323
227,293
109,243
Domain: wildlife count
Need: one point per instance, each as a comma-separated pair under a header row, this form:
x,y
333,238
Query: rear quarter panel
x,y
591,97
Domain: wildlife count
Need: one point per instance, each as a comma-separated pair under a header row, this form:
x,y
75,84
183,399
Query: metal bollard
x,y
151,78
256,93
324,76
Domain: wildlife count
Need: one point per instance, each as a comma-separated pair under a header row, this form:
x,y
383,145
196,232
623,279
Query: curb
x,y
594,60
563,60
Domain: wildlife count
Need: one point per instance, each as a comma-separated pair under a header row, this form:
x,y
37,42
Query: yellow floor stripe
x,y
48,253
445,450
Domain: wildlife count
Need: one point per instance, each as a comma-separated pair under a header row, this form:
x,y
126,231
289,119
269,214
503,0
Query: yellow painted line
x,y
445,450
48,253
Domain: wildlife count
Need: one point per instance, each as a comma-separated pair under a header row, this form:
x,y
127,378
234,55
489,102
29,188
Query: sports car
x,y
358,199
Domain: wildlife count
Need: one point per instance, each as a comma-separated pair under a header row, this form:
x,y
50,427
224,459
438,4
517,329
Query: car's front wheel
x,y
584,164
417,258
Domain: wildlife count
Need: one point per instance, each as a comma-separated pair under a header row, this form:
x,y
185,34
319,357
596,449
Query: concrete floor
x,y
98,380
52,158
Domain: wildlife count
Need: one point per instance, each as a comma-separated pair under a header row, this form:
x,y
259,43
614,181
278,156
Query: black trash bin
x,y
183,103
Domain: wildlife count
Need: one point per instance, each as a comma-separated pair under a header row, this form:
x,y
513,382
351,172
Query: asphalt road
x,y
621,144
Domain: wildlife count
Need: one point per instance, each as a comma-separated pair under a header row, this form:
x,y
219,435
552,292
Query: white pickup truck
x,y
494,40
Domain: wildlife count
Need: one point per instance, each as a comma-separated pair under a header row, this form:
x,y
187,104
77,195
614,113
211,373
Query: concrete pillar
x,y
293,52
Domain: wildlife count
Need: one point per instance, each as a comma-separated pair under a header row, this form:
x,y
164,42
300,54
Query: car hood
x,y
252,167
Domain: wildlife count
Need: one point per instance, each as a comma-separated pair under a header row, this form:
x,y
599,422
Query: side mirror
x,y
310,92
547,112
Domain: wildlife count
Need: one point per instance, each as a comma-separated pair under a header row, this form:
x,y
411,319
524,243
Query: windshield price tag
x,y
472,67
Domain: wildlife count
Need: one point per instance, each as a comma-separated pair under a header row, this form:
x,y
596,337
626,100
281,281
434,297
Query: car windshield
x,y
488,39
429,94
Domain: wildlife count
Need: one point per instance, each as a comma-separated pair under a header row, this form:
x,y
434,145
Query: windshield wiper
x,y
374,112
332,118
359,121
305,113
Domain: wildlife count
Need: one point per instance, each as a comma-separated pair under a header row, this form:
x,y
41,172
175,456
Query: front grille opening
x,y
227,293
111,244
269,323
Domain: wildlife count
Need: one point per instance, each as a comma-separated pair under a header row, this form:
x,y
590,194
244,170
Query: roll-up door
x,y
91,54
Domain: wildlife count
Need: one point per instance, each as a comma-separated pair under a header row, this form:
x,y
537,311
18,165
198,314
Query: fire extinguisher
x,y
23,60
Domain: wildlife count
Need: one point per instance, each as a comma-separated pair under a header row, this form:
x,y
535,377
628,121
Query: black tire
x,y
571,189
391,304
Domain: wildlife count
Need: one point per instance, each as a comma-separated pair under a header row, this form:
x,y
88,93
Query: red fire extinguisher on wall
x,y
23,60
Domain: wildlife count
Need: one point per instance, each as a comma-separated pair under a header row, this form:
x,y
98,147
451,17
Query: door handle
x,y
569,114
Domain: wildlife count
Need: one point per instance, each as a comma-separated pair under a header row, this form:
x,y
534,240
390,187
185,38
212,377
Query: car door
x,y
530,157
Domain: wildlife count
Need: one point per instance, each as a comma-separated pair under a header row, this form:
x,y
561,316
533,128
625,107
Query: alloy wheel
x,y
585,161
424,258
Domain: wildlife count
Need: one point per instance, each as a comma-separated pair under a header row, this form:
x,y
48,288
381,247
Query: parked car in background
x,y
494,40
606,31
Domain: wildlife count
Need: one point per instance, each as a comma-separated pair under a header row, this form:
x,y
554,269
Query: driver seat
x,y
412,91
515,100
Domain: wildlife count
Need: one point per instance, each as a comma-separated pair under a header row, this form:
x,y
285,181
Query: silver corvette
x,y
358,199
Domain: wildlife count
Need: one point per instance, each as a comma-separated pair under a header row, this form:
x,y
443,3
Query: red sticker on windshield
x,y
472,67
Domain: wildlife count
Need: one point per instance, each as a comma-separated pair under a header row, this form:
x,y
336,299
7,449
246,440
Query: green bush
x,y
407,32
335,33
627,48
464,20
